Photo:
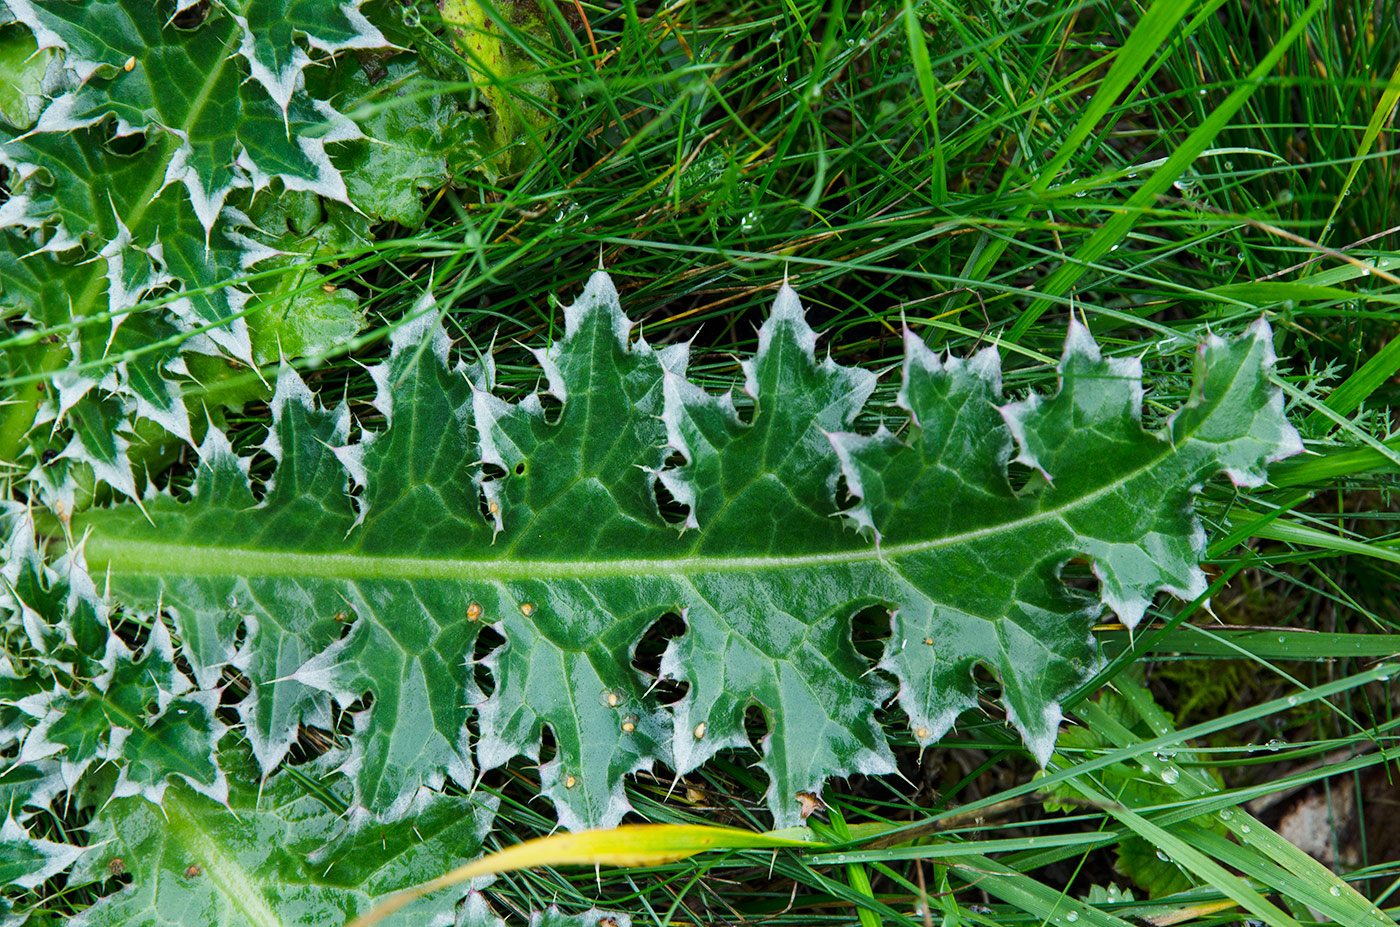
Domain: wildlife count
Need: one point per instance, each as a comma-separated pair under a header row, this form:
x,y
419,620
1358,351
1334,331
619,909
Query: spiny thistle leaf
x,y
139,146
473,510
274,856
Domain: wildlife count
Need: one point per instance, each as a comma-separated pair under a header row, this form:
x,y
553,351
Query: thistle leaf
x,y
470,510
275,856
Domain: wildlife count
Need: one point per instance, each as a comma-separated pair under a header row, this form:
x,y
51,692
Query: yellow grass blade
x,y
629,845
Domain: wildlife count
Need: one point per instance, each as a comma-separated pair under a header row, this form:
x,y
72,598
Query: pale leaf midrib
x,y
240,889
131,557
163,558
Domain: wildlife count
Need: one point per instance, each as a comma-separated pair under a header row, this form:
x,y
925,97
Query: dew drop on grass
x,y
1170,775
1163,856
1244,828
1274,745
1072,916
1335,891
1292,701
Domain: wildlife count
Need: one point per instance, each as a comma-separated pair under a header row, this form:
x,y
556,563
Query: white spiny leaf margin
x,y
283,83
1292,442
328,182
57,856
37,747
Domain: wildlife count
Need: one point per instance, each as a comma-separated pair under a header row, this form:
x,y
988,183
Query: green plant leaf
x,y
22,71
140,715
469,509
416,139
275,856
26,861
269,29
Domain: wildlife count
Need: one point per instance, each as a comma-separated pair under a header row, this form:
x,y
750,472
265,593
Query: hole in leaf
x,y
520,468
549,747
191,17
261,467
870,629
125,146
844,497
646,658
234,688
1019,476
553,408
490,473
134,635
744,406
671,511
363,703
756,725
488,639
311,743
988,685
345,621
1079,579
240,635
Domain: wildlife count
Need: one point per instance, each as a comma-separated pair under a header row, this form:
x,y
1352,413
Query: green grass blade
x,y
1117,227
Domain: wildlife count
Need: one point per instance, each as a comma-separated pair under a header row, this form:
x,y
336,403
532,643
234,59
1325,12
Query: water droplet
x,y
1335,891
1072,916
570,782
629,724
1201,92
1282,639
1292,701
613,700
1244,828
700,730
1226,814
1170,774
1229,166
1274,745
1163,857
